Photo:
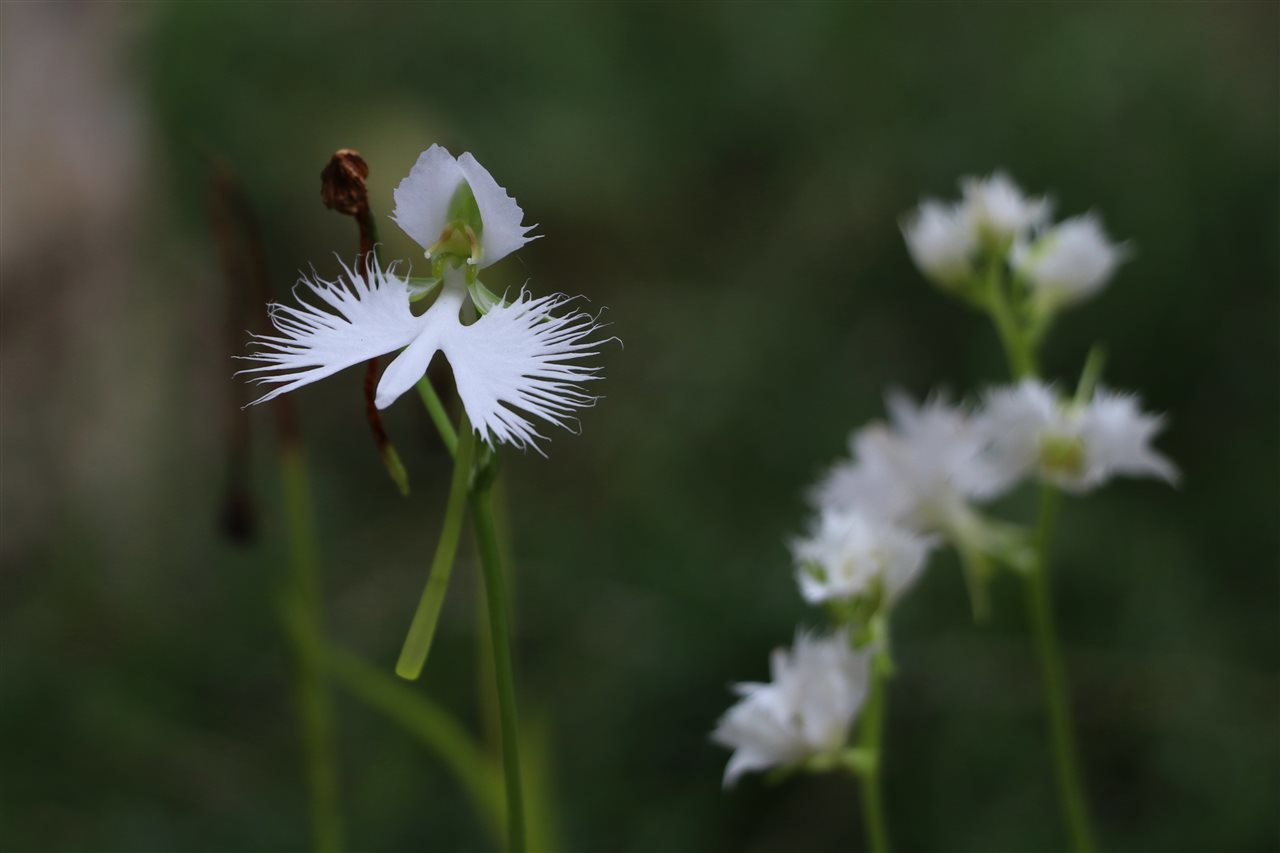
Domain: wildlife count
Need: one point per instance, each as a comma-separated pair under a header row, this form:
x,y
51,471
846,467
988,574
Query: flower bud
x,y
342,183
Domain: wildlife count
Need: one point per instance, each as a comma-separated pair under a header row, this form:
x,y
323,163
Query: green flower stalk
x,y
417,645
996,250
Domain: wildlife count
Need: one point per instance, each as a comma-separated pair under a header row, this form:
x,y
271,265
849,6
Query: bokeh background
x,y
728,181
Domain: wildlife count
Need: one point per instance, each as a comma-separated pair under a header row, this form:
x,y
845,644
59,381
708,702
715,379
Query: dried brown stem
x,y
342,188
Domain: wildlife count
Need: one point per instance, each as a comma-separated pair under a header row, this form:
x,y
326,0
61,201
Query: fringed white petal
x,y
370,316
504,231
422,199
517,362
1118,435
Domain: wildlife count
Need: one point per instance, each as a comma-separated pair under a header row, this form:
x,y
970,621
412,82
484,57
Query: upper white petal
x,y
422,198
370,316
504,231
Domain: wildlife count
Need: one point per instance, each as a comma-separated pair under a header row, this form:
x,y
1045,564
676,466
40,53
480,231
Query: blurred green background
x,y
728,181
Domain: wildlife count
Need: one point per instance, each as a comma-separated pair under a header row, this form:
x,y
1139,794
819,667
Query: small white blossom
x,y
807,709
998,209
1068,262
941,240
848,553
919,472
515,362
1076,447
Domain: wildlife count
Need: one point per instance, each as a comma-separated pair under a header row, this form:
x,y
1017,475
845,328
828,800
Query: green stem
x,y
302,622
871,738
1020,346
439,416
1040,612
1017,348
423,628
977,574
486,678
1090,374
495,591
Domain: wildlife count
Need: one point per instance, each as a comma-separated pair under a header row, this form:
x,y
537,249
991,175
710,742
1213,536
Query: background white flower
x,y
999,210
1069,261
918,472
941,240
848,552
424,197
1076,447
808,709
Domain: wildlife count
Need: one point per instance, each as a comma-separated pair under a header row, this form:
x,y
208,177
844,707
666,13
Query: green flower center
x,y
1062,454
459,242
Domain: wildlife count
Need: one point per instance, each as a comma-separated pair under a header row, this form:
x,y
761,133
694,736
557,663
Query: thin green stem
x,y
871,738
1091,374
1040,612
486,679
302,620
1017,348
495,591
439,416
977,574
422,630
1020,343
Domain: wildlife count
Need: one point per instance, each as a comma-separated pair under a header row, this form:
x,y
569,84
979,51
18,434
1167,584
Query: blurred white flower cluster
x,y
921,480
995,222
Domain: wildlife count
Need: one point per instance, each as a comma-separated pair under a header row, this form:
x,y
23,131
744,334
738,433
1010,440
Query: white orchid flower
x,y
921,471
1076,446
851,554
517,361
806,711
